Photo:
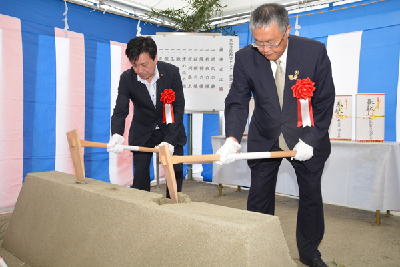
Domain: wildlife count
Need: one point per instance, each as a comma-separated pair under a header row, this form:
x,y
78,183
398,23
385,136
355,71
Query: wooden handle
x,y
148,149
93,144
283,154
216,157
192,159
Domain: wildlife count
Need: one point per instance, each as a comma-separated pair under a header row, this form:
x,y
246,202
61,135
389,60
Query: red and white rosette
x,y
168,96
303,91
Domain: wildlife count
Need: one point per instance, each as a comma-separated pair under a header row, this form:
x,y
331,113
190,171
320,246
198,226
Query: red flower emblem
x,y
303,88
168,96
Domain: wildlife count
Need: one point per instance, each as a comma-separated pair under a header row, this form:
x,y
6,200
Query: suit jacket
x,y
145,116
252,74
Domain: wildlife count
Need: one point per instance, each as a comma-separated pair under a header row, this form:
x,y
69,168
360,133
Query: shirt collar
x,y
154,80
284,55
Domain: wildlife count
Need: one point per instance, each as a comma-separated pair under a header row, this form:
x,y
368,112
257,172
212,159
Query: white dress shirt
x,y
152,86
283,59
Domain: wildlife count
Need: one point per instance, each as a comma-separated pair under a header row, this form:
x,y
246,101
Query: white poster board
x,y
206,66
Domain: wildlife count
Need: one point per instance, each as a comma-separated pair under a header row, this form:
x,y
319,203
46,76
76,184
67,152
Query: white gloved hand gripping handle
x,y
230,147
171,147
304,151
131,148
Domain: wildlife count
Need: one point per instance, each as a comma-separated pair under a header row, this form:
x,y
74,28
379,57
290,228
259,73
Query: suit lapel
x,y
160,89
292,65
267,79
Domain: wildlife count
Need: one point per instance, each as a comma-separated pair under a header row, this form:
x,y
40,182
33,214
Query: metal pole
x,y
190,148
157,173
221,122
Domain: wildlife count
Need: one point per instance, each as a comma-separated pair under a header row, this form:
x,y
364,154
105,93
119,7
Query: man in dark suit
x,y
277,61
145,84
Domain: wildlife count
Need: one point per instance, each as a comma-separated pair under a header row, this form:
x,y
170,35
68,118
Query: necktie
x,y
280,85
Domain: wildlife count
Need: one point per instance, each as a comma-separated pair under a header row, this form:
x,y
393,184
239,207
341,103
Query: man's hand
x,y
115,144
304,151
230,147
171,147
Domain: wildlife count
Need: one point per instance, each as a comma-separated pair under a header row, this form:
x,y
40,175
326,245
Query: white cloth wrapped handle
x,y
115,144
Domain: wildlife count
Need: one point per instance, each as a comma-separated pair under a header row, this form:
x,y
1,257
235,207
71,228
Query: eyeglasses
x,y
256,45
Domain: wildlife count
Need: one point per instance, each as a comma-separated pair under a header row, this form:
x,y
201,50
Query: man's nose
x,y
140,69
264,48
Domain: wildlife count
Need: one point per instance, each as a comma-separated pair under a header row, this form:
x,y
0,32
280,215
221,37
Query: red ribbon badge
x,y
168,96
303,91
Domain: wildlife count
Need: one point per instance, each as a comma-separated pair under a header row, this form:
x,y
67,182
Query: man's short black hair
x,y
140,45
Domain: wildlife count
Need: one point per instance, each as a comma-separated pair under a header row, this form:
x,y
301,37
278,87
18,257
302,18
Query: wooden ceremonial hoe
x,y
75,145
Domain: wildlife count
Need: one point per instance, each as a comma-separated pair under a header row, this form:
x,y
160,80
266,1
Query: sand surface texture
x,y
57,222
351,239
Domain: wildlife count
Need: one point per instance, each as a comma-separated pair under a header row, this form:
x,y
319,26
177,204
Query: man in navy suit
x,y
279,60
143,84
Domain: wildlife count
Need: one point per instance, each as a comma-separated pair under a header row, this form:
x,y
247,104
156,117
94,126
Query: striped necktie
x,y
280,85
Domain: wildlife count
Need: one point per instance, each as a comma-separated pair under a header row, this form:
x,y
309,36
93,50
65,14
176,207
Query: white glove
x,y
230,147
304,151
115,144
2,262
171,147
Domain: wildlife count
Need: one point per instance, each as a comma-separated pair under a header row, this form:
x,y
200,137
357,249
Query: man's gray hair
x,y
268,14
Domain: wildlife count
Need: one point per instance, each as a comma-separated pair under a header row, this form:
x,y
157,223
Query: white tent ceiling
x,y
236,11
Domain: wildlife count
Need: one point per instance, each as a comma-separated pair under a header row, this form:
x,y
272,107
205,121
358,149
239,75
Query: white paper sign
x,y
205,64
341,125
370,117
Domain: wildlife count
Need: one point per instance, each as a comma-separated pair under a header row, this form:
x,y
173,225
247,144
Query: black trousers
x,y
310,217
142,160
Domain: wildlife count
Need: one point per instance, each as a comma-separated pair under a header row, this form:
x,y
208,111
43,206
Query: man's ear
x,y
289,28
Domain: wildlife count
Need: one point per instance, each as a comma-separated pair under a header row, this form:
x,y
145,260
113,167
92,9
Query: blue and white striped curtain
x,y
53,80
